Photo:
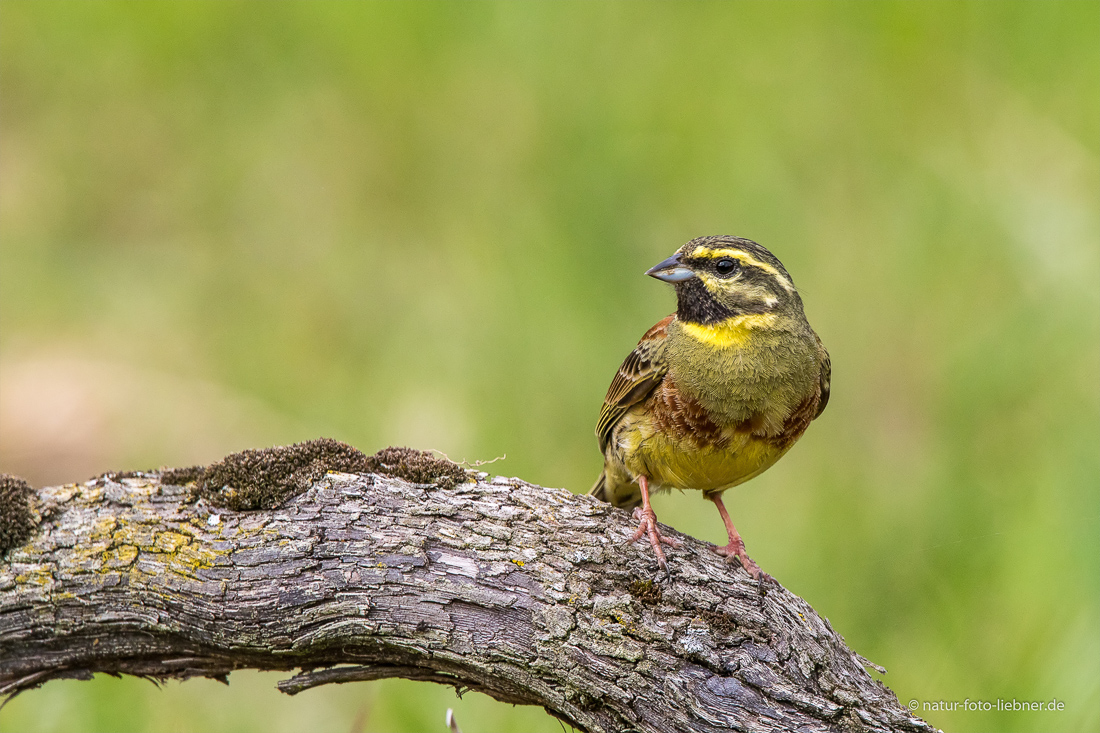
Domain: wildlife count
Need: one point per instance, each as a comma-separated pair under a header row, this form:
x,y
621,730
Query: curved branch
x,y
531,595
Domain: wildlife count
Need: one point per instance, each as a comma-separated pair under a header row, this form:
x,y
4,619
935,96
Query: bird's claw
x,y
737,550
647,526
648,523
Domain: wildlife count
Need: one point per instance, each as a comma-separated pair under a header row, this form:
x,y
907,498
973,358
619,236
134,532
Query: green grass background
x,y
427,223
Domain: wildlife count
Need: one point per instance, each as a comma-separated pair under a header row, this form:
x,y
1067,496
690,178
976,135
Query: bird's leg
x,y
647,525
736,547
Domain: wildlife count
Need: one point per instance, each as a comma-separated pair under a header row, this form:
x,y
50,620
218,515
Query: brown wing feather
x,y
825,379
639,375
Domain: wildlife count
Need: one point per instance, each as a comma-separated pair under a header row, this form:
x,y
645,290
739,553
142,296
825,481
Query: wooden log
x,y
531,595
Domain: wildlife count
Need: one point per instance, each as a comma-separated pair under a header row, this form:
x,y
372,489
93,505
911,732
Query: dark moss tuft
x,y
264,479
17,520
181,476
646,591
719,622
417,466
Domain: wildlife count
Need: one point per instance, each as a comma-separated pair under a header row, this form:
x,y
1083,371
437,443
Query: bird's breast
x,y
737,378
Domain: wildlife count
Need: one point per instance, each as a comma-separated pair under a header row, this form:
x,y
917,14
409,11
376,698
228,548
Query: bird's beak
x,y
671,270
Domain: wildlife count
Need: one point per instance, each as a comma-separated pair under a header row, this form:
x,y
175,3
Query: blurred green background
x,y
229,225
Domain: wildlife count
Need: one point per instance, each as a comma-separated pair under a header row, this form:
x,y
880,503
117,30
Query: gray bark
x,y
531,595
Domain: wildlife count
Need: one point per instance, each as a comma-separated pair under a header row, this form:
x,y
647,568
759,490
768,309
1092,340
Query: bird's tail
x,y
599,490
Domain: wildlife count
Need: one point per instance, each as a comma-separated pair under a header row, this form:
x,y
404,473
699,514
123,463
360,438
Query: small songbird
x,y
716,393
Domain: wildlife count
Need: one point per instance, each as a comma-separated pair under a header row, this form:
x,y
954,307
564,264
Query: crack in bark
x,y
531,595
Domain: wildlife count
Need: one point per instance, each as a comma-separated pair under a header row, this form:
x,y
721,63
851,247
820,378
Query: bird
x,y
714,394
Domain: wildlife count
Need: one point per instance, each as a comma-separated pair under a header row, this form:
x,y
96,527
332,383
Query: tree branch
x,y
531,595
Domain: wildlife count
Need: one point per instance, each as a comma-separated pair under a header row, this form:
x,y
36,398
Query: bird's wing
x,y
639,375
825,377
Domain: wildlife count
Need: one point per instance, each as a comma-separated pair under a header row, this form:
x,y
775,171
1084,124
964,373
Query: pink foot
x,y
736,547
736,550
647,525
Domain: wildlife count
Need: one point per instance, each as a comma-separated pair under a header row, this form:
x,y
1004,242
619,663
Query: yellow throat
x,y
730,332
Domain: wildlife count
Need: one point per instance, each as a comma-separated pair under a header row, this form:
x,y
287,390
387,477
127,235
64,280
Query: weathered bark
x,y
529,594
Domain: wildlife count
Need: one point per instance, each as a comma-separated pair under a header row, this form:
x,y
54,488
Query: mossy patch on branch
x,y
17,520
417,466
264,479
646,591
719,622
181,476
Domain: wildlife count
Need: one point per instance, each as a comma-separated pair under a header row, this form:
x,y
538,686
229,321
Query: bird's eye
x,y
725,266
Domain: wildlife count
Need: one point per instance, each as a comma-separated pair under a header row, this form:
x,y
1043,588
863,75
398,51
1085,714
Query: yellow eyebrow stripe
x,y
730,332
748,260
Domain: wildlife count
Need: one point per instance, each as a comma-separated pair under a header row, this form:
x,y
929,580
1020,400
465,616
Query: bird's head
x,y
718,278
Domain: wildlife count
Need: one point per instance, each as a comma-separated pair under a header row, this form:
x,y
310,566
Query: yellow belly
x,y
673,464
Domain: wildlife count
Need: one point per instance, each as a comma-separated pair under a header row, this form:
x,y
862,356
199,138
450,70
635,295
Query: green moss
x,y
17,520
646,591
181,476
719,622
417,466
264,479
